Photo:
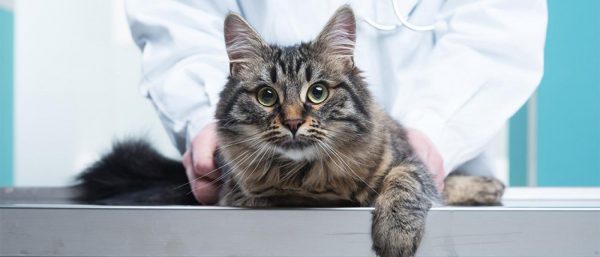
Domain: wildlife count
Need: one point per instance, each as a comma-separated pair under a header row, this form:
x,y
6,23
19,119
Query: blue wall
x,y
569,97
568,102
6,97
518,148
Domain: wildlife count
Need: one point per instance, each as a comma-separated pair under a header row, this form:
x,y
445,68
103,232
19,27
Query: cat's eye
x,y
267,96
317,93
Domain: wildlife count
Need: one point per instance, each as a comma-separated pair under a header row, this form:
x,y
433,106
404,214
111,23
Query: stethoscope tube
x,y
402,21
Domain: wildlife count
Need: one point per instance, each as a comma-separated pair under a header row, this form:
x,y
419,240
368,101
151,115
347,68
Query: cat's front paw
x,y
397,234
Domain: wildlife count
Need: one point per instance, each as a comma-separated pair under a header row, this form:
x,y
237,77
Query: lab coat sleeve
x,y
183,58
486,63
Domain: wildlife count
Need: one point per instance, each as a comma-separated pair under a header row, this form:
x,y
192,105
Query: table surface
x,y
40,222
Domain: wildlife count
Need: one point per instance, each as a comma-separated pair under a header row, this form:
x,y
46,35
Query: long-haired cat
x,y
297,127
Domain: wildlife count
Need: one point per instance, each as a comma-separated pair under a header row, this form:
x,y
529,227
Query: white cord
x,y
379,26
401,22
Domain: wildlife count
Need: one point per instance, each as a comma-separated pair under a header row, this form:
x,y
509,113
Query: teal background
x,y
568,101
569,97
6,97
517,142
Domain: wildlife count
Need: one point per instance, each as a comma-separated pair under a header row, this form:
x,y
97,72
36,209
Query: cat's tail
x,y
134,173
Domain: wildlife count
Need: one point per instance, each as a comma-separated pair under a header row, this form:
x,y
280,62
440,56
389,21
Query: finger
x,y
425,150
436,166
201,170
204,147
187,160
205,191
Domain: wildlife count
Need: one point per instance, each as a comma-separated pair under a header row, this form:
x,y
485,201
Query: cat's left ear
x,y
338,37
244,45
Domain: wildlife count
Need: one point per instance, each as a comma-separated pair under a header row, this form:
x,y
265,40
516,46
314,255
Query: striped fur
x,y
347,151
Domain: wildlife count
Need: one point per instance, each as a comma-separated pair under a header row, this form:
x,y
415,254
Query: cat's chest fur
x,y
311,180
304,184
347,177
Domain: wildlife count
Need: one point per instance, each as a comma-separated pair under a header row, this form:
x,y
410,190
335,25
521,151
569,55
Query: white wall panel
x,y
76,88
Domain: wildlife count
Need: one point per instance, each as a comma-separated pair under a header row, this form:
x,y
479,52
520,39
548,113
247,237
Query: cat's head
x,y
295,102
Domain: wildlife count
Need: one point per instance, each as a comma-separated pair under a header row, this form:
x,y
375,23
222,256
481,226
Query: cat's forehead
x,y
288,62
285,67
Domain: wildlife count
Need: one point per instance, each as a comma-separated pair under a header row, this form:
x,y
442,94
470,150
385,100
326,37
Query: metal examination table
x,y
534,222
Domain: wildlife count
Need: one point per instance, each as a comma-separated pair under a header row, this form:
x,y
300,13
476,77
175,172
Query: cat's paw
x,y
396,234
464,190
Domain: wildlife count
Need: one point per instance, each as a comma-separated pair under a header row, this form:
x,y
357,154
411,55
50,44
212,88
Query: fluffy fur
x,y
343,151
133,173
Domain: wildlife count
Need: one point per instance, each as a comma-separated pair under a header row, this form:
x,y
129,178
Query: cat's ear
x,y
243,43
339,36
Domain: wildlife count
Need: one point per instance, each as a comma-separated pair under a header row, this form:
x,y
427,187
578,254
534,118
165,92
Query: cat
x,y
297,127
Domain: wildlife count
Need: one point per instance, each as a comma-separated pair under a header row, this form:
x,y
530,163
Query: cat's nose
x,y
293,125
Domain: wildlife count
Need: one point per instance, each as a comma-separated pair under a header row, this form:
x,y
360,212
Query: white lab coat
x,y
459,84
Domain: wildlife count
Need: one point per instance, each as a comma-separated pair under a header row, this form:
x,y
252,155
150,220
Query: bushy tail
x,y
134,173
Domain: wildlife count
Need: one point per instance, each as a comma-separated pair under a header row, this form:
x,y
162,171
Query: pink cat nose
x,y
293,125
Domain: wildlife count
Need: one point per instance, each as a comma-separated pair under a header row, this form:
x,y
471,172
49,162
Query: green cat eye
x,y
267,96
317,93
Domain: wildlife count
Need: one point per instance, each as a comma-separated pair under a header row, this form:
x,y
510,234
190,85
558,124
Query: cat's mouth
x,y
295,143
297,149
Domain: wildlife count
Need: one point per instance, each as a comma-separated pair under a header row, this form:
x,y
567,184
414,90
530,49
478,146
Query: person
x,y
454,87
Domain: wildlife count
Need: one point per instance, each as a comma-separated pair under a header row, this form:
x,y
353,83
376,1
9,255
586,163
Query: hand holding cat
x,y
429,155
200,167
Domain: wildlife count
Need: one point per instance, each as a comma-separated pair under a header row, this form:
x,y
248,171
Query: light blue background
x,y
568,106
569,97
6,97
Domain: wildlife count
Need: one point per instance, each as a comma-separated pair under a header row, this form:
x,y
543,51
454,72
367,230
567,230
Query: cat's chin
x,y
298,154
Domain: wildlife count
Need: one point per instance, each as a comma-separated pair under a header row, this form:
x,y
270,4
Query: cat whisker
x,y
224,175
344,163
338,153
353,160
251,137
238,185
214,170
351,133
258,153
261,156
221,177
292,172
266,171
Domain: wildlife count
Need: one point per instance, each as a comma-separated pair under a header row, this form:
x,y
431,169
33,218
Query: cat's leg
x,y
466,190
400,211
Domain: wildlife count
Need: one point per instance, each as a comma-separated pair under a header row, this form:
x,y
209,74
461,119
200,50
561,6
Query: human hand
x,y
200,168
425,149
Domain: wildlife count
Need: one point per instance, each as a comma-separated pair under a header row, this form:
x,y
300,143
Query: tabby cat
x,y
297,127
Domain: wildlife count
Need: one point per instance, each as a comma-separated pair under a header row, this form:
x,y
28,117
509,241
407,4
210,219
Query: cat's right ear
x,y
243,43
338,38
